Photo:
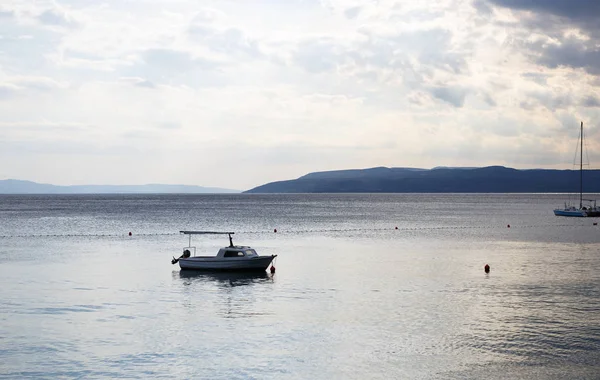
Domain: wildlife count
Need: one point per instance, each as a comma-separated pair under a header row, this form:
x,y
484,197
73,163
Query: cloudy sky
x,y
239,93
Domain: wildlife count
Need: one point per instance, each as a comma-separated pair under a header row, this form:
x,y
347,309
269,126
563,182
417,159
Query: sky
x,y
236,94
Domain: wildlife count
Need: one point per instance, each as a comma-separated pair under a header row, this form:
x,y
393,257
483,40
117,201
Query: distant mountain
x,y
491,179
13,186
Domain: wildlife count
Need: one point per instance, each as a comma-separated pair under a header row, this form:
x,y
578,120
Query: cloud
x,y
57,17
541,79
169,125
410,57
175,77
567,31
454,95
570,52
490,101
46,127
483,7
320,54
174,60
19,85
137,81
582,12
553,101
208,29
591,101
7,14
39,83
7,90
352,12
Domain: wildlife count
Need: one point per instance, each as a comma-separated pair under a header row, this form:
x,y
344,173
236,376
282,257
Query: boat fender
x,y
486,268
272,269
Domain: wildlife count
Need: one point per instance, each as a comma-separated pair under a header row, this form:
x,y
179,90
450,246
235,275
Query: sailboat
x,y
590,209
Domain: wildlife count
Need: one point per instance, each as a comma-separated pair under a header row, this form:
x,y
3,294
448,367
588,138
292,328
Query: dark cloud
x,y
352,12
489,100
538,78
454,95
591,101
527,105
556,19
482,7
6,14
55,17
575,53
579,11
174,60
138,82
7,90
551,101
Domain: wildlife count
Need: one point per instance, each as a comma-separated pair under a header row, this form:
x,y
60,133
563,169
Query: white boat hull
x,y
259,263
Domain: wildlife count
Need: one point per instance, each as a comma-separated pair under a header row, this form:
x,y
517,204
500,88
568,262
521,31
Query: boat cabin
x,y
232,251
236,252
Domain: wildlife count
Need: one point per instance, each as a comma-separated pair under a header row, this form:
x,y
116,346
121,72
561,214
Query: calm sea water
x,y
352,298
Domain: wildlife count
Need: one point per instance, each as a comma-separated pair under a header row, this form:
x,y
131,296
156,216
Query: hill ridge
x,y
488,179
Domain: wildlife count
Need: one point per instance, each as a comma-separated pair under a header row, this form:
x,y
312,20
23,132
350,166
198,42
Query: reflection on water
x,y
190,277
353,297
224,294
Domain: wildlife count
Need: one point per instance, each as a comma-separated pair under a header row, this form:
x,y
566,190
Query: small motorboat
x,y
231,258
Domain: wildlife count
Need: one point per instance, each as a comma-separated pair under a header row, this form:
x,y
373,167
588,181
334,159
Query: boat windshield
x,y
251,252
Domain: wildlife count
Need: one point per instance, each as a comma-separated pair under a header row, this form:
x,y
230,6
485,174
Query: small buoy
x,y
508,226
272,269
486,268
275,230
595,223
130,233
396,227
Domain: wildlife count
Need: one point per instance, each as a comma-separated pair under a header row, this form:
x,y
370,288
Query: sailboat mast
x,y
581,168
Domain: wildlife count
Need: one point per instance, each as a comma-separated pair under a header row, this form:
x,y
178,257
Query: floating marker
x,y
486,268
595,223
396,227
508,226
129,233
275,230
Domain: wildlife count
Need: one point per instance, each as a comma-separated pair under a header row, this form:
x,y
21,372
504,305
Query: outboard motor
x,y
186,254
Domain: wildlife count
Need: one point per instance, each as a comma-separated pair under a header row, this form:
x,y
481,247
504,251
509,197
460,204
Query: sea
x,y
366,286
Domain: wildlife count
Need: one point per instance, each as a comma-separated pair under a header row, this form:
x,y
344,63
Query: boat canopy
x,y
206,233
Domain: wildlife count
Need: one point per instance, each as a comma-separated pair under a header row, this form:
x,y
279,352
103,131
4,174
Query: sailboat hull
x,y
576,213
582,211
